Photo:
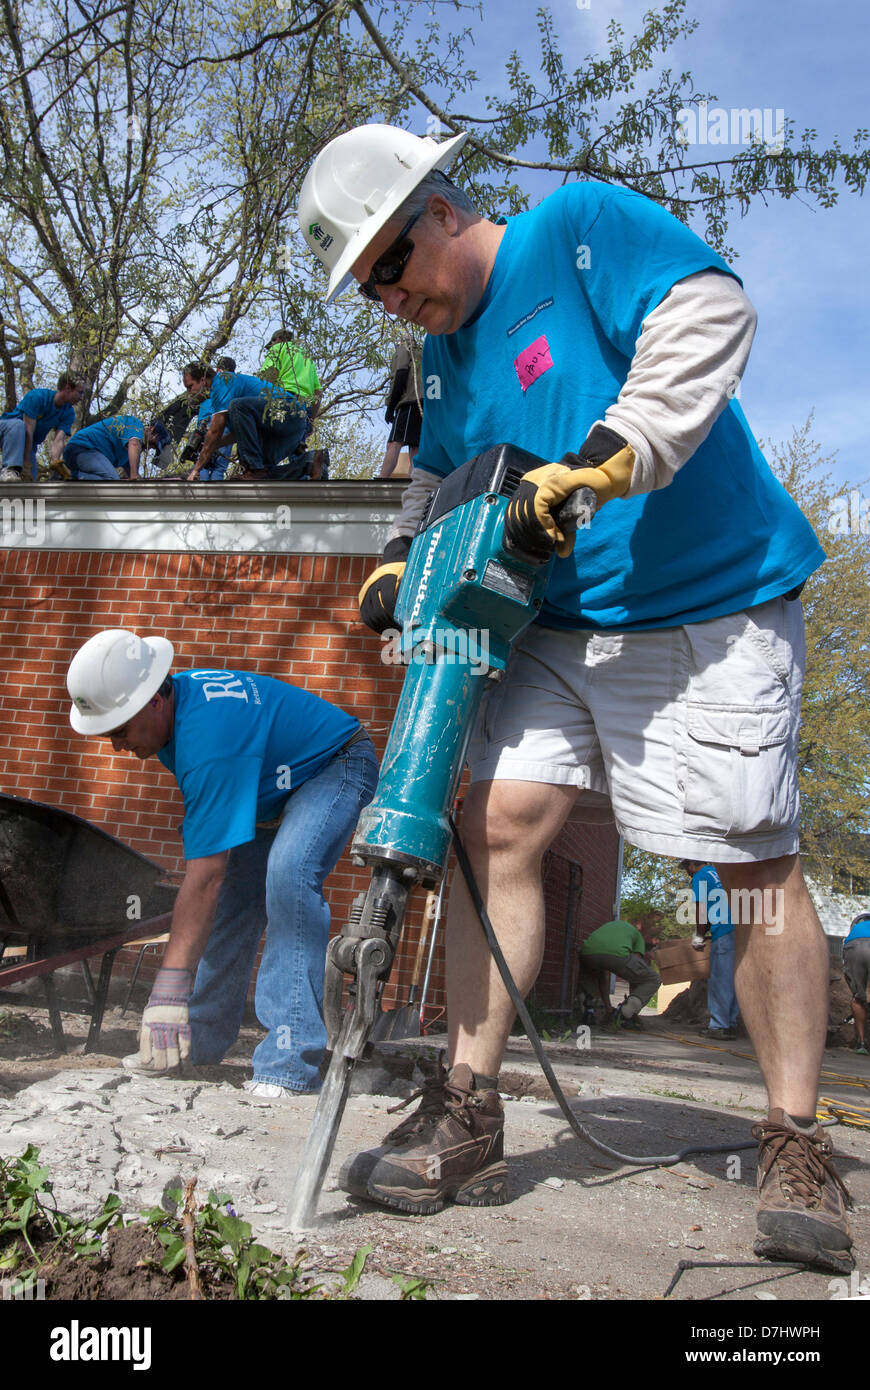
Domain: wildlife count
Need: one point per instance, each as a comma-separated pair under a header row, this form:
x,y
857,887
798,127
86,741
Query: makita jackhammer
x,y
464,599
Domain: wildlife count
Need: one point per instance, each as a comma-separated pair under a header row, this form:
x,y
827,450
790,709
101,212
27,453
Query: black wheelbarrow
x,y
70,891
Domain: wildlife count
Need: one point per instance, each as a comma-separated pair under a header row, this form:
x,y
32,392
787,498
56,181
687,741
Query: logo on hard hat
x,y
325,238
82,702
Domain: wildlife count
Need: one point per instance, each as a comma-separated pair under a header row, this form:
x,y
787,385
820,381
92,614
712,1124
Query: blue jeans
x,y
215,471
268,429
275,883
13,436
721,999
90,466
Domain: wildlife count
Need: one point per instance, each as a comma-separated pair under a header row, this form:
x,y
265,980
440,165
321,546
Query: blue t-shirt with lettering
x,y
109,437
39,405
544,354
712,899
241,743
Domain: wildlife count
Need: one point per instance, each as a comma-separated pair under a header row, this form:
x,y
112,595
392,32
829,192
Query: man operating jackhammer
x,y
273,780
661,683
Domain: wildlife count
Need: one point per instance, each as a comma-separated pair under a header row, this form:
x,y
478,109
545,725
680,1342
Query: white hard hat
x,y
356,184
113,676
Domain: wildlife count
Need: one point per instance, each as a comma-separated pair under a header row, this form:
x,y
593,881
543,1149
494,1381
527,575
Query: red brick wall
x,y
293,617
593,851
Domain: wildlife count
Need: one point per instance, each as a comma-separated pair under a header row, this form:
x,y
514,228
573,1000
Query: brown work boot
x,y
450,1149
802,1200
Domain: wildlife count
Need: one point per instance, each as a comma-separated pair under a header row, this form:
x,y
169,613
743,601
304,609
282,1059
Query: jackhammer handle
x,y
576,511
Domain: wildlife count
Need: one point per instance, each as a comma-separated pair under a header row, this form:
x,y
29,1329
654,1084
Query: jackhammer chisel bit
x,y
465,597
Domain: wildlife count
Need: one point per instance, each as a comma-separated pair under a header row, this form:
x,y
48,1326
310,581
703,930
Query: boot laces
x,y
805,1162
436,1096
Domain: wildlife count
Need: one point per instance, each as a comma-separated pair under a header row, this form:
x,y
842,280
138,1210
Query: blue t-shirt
x,y
109,437
860,929
241,743
713,900
39,405
545,353
231,386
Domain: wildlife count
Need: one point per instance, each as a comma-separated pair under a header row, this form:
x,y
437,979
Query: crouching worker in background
x,y
273,780
620,949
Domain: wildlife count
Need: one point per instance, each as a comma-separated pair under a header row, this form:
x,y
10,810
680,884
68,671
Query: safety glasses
x,y
389,268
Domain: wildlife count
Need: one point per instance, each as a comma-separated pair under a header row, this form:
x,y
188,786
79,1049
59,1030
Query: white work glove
x,y
164,1040
698,942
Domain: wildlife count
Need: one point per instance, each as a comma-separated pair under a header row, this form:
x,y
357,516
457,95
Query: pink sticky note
x,y
532,362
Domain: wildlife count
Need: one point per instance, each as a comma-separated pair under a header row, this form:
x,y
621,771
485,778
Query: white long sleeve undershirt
x,y
688,361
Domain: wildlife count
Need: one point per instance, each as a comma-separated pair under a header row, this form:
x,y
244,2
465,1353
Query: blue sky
x,y
804,267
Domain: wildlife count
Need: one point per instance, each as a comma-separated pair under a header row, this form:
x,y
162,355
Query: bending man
x,y
273,780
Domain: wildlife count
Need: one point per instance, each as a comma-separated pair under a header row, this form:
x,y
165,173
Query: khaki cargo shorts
x,y
686,736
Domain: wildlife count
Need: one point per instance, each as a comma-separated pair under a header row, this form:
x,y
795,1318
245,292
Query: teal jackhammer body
x,y
463,601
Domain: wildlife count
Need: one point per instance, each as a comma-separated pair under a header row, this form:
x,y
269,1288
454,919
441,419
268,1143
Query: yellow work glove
x,y
377,597
604,464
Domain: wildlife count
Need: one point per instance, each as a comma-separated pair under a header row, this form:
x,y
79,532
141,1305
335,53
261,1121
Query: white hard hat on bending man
x,y
112,678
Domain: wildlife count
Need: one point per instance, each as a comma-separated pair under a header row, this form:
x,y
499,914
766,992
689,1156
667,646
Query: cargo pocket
x,y
740,776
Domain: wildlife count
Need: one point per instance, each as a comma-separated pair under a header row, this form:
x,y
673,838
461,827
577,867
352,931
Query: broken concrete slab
x,y
578,1226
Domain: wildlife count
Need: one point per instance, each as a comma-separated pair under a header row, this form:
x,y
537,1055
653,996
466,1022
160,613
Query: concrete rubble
x,y
578,1225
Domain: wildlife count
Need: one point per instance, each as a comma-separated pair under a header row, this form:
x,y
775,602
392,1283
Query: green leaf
x,y
173,1257
110,1213
243,1274
232,1229
87,1247
411,1288
354,1271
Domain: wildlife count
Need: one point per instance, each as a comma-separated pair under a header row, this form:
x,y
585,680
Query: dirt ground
x,y
577,1226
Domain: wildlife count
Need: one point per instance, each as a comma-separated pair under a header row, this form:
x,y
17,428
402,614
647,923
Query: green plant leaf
x,y
354,1271
411,1287
232,1229
174,1256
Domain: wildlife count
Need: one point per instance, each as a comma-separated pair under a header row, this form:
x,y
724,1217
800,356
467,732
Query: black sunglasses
x,y
389,268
